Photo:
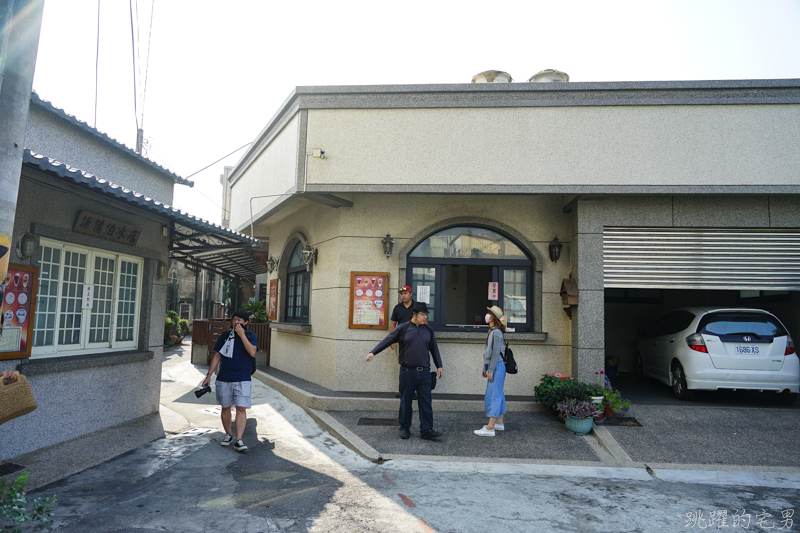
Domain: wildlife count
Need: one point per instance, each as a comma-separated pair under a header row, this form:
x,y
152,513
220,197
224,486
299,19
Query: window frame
x,y
303,277
84,346
499,266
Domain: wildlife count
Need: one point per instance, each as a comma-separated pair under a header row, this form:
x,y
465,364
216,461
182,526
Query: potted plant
x,y
614,403
258,312
578,415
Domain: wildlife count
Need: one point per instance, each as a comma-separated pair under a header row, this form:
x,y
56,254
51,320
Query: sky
x,y
209,75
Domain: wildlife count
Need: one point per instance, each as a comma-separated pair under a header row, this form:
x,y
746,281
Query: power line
x,y
147,61
96,63
133,55
217,161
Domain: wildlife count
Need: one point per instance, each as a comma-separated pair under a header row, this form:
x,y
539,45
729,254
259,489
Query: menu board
x,y
273,299
368,300
18,293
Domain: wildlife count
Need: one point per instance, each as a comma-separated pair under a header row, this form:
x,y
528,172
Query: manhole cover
x,y
621,421
377,422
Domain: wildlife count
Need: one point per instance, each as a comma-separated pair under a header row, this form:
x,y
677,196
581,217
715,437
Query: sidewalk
x,y
757,440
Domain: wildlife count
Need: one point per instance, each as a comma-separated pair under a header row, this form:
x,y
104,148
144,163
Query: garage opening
x,y
650,271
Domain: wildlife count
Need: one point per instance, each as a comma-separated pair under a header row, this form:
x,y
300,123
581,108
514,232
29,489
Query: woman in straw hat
x,y
494,370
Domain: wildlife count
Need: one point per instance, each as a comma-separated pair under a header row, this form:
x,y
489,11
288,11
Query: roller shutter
x,y
671,258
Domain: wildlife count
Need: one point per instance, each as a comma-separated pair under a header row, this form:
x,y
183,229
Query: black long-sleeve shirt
x,y
417,344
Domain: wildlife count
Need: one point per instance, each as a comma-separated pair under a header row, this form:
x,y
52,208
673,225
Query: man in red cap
x,y
402,312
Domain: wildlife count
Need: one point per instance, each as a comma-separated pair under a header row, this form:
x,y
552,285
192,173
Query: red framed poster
x,y
18,293
273,299
369,305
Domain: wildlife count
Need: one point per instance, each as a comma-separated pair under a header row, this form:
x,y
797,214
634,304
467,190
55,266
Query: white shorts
x,y
233,393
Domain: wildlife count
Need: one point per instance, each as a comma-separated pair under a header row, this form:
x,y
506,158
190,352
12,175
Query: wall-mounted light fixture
x,y
388,244
319,154
26,246
161,269
309,256
555,249
272,264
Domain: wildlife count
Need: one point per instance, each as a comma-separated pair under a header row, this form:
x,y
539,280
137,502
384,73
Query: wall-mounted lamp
x,y
272,264
161,269
388,244
555,249
26,246
319,154
309,256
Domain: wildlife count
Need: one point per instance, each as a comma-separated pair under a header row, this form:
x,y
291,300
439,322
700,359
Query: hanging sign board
x,y
18,297
106,228
493,290
273,299
87,301
369,306
424,294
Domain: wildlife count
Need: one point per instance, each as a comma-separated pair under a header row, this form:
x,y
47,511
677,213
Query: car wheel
x,y
679,387
784,397
638,367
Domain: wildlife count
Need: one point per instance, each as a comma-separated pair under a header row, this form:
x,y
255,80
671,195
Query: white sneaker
x,y
499,427
483,432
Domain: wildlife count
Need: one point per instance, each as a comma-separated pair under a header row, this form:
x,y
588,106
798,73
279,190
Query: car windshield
x,y
741,323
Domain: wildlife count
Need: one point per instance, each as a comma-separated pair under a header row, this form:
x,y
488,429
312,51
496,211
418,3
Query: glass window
x,y
61,324
758,324
298,287
460,267
468,243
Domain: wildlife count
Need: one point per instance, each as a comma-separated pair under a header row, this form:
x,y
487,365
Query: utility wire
x,y
133,54
217,161
96,63
147,61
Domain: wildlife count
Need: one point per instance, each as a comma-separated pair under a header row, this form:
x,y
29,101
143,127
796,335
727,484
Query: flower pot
x,y
597,399
579,426
608,412
168,342
599,417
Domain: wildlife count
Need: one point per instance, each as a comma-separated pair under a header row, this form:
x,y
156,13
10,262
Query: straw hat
x,y
496,311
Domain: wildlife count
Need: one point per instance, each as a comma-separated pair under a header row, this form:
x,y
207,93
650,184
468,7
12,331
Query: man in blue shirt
x,y
417,345
233,380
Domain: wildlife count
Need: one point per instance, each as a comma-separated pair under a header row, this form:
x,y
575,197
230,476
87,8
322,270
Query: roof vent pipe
x,y
492,76
549,75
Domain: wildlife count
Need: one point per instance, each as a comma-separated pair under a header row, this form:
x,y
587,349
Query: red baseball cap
x,y
404,288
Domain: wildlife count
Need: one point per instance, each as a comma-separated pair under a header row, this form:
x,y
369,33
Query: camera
x,y
200,392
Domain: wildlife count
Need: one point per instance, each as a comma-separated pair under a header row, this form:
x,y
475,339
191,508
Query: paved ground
x,y
297,477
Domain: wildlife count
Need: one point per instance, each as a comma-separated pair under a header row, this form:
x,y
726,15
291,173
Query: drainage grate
x,y
377,422
621,421
9,468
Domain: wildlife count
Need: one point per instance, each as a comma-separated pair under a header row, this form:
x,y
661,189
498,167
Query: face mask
x,y
488,318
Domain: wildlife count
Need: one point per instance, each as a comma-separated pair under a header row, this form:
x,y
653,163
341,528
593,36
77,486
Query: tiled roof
x,y
85,179
37,100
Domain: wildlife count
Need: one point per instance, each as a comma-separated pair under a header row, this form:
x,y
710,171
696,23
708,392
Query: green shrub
x,y
14,506
552,390
258,313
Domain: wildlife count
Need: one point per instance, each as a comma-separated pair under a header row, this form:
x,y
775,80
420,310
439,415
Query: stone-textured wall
x,y
717,145
348,239
87,393
56,138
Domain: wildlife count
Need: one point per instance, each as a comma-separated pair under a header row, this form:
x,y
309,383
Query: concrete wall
x,y
54,137
273,171
720,145
348,239
79,394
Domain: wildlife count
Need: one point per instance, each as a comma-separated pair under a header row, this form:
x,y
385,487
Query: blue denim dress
x,y
495,398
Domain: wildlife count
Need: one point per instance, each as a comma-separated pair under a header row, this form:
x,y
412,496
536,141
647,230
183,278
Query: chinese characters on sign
x,y
368,300
493,290
17,307
424,294
106,228
740,518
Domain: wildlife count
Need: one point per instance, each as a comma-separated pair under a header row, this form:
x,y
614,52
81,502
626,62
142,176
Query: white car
x,y
720,348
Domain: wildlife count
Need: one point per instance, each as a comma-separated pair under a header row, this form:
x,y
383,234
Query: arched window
x,y
298,287
460,266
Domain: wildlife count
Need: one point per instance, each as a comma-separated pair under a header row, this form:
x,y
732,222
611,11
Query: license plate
x,y
747,349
